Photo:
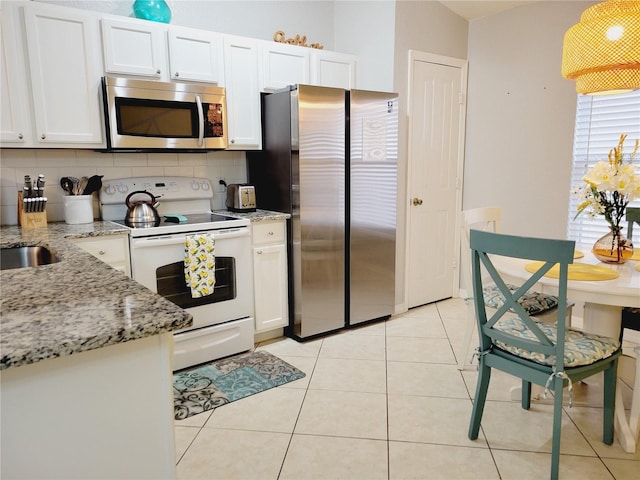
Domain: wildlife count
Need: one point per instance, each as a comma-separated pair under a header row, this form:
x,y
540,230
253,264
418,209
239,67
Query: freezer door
x,y
372,185
319,203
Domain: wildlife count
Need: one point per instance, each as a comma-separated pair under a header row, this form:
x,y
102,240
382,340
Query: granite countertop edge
x,y
257,216
80,303
77,304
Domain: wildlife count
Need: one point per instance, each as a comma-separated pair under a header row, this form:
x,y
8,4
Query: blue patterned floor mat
x,y
229,379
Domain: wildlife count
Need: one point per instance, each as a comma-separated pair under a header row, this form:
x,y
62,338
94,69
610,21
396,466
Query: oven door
x,y
157,263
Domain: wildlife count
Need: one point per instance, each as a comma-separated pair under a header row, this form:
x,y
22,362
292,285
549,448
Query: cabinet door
x,y
330,69
284,65
112,250
241,72
64,45
270,283
195,55
14,104
134,47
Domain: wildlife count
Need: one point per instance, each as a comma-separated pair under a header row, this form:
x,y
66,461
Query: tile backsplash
x,y
16,163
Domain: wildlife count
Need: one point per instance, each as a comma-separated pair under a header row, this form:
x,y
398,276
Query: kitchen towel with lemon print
x,y
200,264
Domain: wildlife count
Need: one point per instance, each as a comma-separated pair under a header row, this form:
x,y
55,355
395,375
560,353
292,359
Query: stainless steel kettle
x,y
142,213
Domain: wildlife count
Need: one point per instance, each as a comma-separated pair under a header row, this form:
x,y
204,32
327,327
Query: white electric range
x,y
223,321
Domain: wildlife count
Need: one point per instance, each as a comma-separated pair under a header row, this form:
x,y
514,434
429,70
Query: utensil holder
x,y
78,209
30,219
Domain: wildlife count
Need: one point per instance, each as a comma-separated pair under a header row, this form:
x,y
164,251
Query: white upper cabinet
x,y
15,122
284,65
331,69
196,55
134,47
65,73
241,71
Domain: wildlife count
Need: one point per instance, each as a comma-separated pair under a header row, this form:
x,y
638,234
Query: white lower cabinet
x,y
270,275
112,250
76,416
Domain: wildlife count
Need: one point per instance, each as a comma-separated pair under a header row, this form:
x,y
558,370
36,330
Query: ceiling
x,y
480,8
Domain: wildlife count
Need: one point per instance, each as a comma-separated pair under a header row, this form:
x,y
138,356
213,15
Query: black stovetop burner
x,y
191,219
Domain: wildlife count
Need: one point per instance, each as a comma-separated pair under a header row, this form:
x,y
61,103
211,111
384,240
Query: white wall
x,y
256,19
520,117
368,31
427,27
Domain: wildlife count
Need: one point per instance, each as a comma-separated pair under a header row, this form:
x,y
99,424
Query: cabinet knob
x,y
270,233
43,136
259,252
177,74
20,136
232,141
417,201
102,252
158,72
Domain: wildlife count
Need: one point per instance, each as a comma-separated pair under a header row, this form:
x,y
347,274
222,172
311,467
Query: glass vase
x,y
154,10
613,247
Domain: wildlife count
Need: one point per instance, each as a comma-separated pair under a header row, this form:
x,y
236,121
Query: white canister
x,y
78,209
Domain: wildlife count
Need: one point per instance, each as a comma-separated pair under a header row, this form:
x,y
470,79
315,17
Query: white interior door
x,y
437,87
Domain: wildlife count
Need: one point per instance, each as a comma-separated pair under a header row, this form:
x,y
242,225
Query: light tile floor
x,y
386,401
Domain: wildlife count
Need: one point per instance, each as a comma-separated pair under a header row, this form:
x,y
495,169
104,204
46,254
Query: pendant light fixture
x,y
602,52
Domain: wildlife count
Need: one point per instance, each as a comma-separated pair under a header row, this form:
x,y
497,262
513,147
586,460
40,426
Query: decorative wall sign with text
x,y
280,37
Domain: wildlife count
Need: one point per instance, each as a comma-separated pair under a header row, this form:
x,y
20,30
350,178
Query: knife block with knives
x,y
32,204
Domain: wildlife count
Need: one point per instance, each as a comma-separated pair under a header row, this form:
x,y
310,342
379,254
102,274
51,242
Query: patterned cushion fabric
x,y
579,348
532,302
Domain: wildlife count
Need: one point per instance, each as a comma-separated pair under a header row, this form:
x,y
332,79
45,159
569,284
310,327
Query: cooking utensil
x,y
142,213
66,185
81,185
93,185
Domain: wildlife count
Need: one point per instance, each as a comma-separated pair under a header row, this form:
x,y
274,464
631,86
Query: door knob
x,y
417,201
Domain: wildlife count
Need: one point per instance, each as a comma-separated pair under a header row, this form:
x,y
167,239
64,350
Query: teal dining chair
x,y
631,321
631,316
545,354
537,304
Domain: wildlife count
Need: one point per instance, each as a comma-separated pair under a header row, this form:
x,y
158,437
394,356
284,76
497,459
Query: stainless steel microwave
x,y
145,115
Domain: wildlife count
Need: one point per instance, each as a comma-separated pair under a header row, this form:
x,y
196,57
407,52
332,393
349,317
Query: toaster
x,y
241,197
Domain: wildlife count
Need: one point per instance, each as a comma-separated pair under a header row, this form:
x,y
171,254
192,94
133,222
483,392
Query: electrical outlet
x,y
220,185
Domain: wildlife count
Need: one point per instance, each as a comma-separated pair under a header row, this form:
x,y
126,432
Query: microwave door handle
x,y
201,121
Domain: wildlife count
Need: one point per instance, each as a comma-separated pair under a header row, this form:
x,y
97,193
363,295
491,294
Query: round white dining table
x,y
603,304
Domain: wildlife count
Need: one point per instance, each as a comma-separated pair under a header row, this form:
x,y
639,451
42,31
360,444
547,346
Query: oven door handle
x,y
164,240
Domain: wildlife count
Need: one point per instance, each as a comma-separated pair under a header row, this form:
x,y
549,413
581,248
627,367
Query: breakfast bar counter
x,y
74,305
86,365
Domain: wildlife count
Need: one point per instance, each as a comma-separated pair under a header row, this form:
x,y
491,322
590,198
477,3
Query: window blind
x,y
600,120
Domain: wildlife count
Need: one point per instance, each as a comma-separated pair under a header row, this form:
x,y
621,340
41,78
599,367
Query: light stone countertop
x,y
257,216
77,304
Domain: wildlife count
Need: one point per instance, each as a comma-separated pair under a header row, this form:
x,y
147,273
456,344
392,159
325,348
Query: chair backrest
x,y
633,216
486,245
483,218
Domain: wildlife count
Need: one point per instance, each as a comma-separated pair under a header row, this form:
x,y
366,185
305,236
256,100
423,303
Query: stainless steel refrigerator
x,y
329,159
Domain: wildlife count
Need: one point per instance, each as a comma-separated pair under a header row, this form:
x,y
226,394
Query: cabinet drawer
x,y
109,250
268,232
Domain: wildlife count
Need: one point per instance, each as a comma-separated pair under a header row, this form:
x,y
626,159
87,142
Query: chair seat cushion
x,y
532,302
580,348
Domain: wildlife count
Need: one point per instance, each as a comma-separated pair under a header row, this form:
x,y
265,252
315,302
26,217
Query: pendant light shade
x,y
602,52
